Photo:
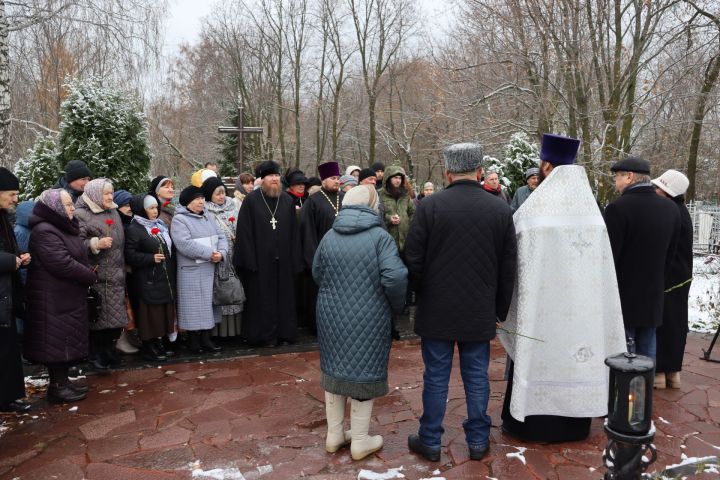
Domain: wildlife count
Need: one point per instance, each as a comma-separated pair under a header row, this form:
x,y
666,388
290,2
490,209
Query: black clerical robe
x,y
316,218
267,257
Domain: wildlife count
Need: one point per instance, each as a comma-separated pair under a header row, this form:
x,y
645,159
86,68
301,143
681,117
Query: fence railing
x,y
706,227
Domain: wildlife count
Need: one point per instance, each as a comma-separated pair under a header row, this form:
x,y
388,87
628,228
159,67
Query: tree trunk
x,y
711,75
4,89
372,100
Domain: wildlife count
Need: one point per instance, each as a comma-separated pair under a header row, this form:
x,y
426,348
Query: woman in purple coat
x,y
58,279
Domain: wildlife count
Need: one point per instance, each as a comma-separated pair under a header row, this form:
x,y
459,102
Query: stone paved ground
x,y
263,417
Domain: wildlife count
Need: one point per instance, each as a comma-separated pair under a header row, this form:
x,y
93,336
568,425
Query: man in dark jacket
x,y
643,229
77,174
461,255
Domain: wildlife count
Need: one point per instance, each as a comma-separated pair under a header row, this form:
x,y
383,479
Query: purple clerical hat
x,y
329,169
559,150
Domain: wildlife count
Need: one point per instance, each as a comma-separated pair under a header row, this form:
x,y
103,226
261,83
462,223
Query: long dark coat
x,y
643,229
267,260
12,381
461,253
316,218
110,262
56,330
672,335
153,283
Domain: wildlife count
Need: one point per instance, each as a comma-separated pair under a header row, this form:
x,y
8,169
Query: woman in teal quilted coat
x,y
362,282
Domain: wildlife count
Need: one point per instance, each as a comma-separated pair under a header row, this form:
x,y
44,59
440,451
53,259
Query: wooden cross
x,y
239,131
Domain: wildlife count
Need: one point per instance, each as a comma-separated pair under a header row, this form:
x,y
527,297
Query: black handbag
x,y
227,288
94,304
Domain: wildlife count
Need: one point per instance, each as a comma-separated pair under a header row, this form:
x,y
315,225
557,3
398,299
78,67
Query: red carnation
x,y
109,222
166,203
231,219
155,230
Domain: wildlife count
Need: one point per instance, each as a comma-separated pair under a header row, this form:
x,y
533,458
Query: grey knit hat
x,y
463,157
531,172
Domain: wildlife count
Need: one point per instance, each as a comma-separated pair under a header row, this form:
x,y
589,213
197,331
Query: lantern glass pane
x,y
636,401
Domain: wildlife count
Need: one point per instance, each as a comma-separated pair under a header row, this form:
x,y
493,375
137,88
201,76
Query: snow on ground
x,y
519,454
370,475
704,301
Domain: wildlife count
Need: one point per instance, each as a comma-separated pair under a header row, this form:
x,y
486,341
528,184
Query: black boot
x,y
96,358
59,389
206,341
112,356
194,341
151,352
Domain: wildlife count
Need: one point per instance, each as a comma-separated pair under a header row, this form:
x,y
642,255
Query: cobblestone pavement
x,y
263,417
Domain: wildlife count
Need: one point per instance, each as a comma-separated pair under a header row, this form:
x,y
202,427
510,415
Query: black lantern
x,y
629,426
630,399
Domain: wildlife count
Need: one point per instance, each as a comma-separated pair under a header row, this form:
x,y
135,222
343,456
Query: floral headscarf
x,y
52,198
94,191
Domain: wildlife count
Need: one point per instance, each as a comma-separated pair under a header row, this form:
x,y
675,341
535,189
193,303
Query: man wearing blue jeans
x,y
461,254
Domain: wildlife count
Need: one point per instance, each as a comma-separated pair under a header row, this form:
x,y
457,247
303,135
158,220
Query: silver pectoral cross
x,y
273,222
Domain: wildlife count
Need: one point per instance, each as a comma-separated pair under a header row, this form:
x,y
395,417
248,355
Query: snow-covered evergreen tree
x,y
105,128
520,154
39,169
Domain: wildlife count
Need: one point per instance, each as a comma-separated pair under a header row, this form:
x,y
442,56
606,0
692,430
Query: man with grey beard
x,y
267,258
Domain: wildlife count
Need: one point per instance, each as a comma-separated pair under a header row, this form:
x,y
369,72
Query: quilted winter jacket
x,y
461,252
110,262
362,281
56,328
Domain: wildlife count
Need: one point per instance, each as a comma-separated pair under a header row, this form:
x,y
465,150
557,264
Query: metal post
x,y
239,164
625,456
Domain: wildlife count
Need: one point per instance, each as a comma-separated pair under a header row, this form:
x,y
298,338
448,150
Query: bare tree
x,y
106,38
381,27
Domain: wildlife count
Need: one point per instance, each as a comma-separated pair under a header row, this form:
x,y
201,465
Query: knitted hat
x,y
209,186
559,150
158,182
377,166
268,167
8,180
76,169
329,169
200,176
189,194
346,180
364,195
672,182
463,157
349,170
632,164
531,172
366,173
122,197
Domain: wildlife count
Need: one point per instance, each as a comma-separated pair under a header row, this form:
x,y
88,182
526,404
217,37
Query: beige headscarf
x,y
365,195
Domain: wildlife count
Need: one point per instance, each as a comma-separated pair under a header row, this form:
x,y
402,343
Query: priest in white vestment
x,y
565,317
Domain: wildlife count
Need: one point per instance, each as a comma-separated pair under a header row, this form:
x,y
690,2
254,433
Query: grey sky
x,y
186,15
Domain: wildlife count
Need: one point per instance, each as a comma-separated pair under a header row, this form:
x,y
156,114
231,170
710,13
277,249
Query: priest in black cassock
x,y
316,218
267,257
